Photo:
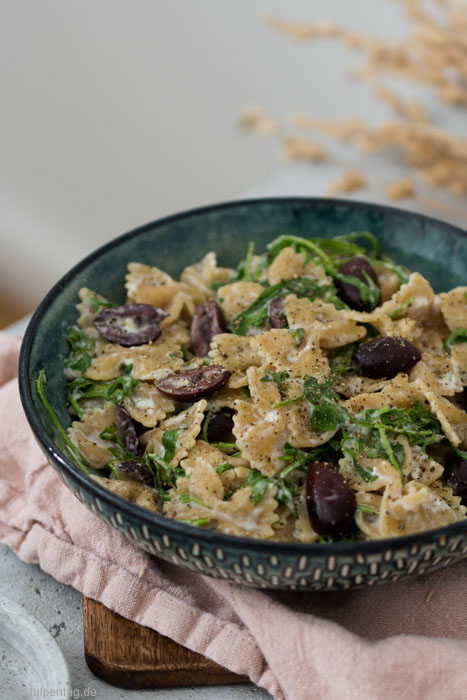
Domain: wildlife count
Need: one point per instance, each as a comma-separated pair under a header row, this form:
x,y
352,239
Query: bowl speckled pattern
x,y
436,249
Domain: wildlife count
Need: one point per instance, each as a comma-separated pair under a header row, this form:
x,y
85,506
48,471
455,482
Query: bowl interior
x,y
435,249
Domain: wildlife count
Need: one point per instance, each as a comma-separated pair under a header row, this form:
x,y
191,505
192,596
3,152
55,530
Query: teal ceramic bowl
x,y
434,248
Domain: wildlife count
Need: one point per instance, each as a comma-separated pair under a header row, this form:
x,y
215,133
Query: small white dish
x,y
31,661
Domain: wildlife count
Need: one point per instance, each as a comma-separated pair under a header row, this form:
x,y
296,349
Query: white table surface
x,y
58,606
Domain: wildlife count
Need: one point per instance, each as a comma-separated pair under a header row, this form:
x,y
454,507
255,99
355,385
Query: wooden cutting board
x,y
128,655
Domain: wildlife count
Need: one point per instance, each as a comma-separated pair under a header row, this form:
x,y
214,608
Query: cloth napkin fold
x,y
400,641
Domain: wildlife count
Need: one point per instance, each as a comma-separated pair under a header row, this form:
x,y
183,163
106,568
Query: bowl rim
x,y
171,525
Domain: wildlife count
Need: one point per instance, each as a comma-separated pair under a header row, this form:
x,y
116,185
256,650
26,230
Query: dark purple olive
x,y
276,314
127,429
331,503
356,267
193,384
136,471
207,322
383,358
458,478
130,324
220,425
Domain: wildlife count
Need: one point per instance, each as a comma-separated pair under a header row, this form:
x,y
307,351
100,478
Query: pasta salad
x,y
317,392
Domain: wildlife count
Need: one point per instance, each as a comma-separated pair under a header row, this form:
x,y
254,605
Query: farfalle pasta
x,y
315,392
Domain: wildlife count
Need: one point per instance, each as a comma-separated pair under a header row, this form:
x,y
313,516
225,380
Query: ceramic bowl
x,y
436,249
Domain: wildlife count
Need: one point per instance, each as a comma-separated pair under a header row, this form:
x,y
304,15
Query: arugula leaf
x,y
120,452
229,448
82,346
459,336
298,335
351,448
169,443
70,447
402,272
256,314
316,247
367,509
224,467
188,498
113,390
341,361
199,522
277,377
400,311
96,304
259,484
327,415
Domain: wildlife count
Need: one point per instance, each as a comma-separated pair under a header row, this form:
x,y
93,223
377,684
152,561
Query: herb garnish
x,y
113,390
297,334
400,311
256,314
72,450
95,304
82,347
458,336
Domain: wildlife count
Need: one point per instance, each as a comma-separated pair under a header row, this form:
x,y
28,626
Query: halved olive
x,y
220,425
135,471
127,429
207,322
130,324
193,384
276,314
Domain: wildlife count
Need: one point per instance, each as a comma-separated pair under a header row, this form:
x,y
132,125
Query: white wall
x,y
115,112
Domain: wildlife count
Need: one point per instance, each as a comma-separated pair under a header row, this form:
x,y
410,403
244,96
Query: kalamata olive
x,y
193,384
276,314
207,322
127,429
458,478
383,358
136,471
220,425
330,501
130,324
356,267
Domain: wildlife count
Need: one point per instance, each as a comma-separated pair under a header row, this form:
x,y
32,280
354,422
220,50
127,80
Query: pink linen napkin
x,y
404,641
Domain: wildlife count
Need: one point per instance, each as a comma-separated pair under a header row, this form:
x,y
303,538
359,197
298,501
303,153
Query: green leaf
x,y
367,509
70,447
325,252
199,522
298,335
277,377
341,361
327,414
114,390
400,311
258,483
188,498
82,347
459,336
96,304
169,443
227,447
257,313
224,467
120,452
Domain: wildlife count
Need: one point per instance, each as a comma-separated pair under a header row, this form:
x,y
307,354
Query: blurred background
x,y
116,112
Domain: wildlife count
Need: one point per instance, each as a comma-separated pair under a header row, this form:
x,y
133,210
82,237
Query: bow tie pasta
x,y
316,392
